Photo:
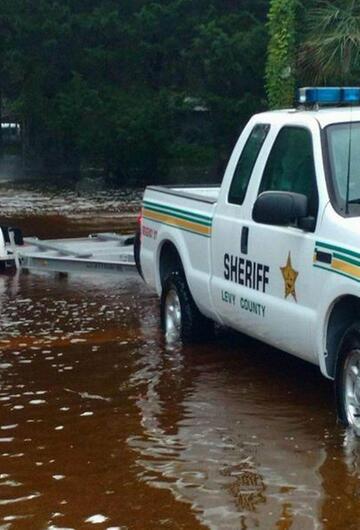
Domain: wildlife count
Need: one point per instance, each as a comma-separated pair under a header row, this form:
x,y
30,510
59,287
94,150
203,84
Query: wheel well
x,y
169,261
345,312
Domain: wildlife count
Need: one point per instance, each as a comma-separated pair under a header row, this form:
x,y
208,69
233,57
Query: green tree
x,y
281,60
35,65
228,53
106,84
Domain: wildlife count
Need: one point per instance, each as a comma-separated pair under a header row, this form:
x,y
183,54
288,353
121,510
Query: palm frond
x,y
332,40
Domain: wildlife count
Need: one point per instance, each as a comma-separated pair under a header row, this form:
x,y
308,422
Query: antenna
x,y
349,163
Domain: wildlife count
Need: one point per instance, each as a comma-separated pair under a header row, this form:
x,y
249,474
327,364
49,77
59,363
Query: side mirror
x,y
280,208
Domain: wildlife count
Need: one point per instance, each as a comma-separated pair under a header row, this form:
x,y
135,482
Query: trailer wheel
x,y
180,318
347,381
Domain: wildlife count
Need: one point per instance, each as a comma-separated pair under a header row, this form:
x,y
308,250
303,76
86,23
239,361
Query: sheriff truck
x,y
274,252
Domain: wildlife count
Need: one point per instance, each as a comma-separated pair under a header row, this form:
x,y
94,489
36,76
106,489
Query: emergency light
x,y
329,96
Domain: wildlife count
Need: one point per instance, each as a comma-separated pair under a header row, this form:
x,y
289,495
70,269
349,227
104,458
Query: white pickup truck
x,y
275,251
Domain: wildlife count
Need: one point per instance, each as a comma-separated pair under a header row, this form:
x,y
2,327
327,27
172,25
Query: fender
x,y
326,341
177,239
198,279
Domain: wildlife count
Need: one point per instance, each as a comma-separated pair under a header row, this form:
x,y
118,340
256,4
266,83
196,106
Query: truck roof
x,y
324,116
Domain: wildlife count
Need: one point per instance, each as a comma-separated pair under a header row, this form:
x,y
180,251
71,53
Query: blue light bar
x,y
329,95
351,94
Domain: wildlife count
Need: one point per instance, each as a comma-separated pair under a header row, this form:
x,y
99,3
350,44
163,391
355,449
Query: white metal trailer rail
x,y
103,252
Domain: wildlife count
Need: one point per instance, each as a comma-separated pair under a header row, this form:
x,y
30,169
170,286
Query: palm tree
x,y
331,52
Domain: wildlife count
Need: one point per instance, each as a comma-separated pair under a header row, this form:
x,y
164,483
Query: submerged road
x,y
103,425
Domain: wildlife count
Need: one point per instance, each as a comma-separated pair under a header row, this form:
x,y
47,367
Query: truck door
x,y
271,274
230,253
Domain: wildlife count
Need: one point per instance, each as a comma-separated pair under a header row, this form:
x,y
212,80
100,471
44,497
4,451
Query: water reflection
x,y
102,423
341,484
59,395
235,441
49,211
40,199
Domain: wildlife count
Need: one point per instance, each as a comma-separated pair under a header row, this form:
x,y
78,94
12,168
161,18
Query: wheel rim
x,y
352,389
172,315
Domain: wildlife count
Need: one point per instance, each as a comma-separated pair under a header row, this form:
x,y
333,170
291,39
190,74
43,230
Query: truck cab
x,y
278,254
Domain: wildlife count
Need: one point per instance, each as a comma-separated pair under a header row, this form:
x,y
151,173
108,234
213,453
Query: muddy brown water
x,y
103,425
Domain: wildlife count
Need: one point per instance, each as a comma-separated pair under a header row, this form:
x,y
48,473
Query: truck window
x,y
291,167
246,163
344,157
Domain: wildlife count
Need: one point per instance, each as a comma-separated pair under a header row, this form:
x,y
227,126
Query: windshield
x,y
344,155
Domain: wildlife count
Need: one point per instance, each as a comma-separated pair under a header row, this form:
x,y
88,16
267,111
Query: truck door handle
x,y
244,239
325,257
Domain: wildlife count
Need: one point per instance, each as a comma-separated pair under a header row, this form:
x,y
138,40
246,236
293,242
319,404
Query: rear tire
x,y
180,317
347,381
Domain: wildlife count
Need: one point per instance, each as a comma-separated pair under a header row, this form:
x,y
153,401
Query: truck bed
x,y
207,194
179,218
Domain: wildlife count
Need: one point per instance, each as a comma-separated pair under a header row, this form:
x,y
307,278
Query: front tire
x,y
347,382
180,317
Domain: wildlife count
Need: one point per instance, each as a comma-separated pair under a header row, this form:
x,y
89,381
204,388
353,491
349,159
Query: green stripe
x,y
179,227
346,259
338,272
178,216
338,249
176,211
180,210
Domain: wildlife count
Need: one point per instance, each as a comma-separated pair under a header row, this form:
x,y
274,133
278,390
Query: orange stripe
x,y
181,223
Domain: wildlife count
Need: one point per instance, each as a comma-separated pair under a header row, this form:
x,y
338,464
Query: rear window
x,y
246,163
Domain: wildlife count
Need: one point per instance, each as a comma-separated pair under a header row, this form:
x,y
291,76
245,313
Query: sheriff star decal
x,y
290,276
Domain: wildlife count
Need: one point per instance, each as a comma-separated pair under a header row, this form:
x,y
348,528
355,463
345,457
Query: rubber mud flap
x,y
137,247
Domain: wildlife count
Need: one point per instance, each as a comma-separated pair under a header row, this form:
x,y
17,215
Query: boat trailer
x,y
101,252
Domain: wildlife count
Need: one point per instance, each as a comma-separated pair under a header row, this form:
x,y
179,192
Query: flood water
x,y
103,425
